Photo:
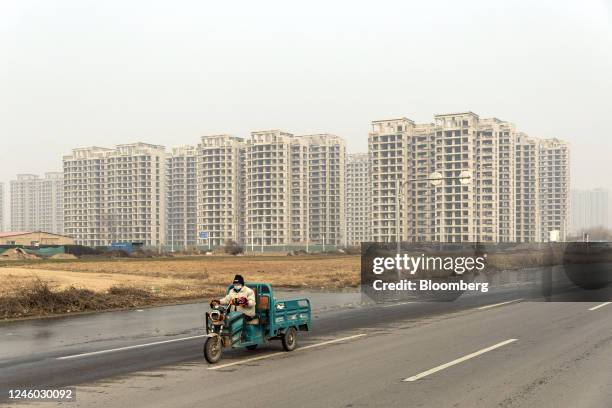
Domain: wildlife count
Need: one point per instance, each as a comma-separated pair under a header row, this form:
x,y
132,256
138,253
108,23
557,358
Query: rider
x,y
241,298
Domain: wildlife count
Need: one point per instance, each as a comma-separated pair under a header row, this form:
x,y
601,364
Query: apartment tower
x,y
116,195
220,190
388,151
326,189
276,190
527,191
358,205
554,189
590,209
37,203
1,206
465,179
181,198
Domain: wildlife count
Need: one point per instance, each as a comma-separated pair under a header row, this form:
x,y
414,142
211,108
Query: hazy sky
x,y
78,72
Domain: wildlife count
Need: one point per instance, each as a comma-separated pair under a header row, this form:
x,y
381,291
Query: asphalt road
x,y
486,350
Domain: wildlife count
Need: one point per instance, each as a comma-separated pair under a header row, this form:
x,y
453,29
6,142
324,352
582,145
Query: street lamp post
x,y
435,178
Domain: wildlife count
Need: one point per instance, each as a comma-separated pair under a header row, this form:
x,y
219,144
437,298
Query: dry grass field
x,y
161,280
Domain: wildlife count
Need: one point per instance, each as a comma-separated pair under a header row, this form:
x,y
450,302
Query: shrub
x,y
231,247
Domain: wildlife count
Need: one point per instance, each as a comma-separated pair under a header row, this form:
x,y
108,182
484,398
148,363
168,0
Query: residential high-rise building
x,y
51,202
181,198
37,203
358,205
24,202
1,206
276,190
294,192
554,189
220,190
116,195
326,189
494,181
527,191
456,217
388,151
590,208
464,179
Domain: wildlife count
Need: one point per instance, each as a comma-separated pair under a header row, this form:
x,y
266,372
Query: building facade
x,y
51,203
116,195
24,202
220,190
181,198
276,189
388,152
527,191
294,190
554,189
358,203
465,179
2,207
326,190
589,208
34,238
37,203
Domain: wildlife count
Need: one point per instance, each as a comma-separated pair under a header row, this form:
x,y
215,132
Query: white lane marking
x,y
457,361
598,306
397,304
499,304
324,343
248,360
93,353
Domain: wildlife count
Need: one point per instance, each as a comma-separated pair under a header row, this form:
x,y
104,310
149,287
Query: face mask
x,y
237,288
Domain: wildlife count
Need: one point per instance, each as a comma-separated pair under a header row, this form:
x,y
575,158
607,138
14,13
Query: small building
x,y
34,238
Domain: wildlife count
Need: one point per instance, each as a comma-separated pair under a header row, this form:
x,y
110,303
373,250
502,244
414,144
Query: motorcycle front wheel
x,y
213,348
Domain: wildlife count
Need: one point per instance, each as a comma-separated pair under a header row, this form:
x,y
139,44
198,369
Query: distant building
x,y
554,189
37,203
589,208
358,205
34,238
181,198
326,189
220,190
496,185
276,191
116,195
528,214
1,206
295,190
52,203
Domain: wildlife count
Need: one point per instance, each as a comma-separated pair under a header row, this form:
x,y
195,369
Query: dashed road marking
x,y
499,304
598,306
457,361
94,353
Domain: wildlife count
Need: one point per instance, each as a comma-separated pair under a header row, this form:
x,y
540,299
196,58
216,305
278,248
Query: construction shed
x,y
34,238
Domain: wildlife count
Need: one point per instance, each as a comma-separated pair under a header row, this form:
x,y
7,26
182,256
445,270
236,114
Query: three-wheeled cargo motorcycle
x,y
274,320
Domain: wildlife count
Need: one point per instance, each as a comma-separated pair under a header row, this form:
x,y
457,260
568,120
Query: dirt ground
x,y
185,278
